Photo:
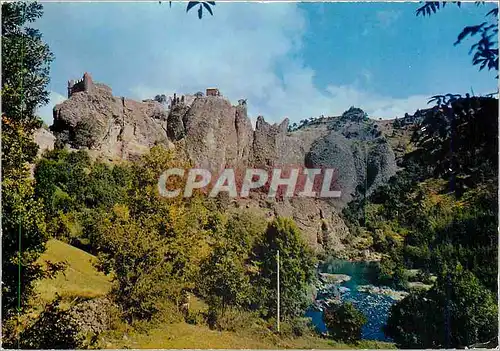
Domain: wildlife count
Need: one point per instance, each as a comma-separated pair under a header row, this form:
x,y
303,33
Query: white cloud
x,y
45,112
377,106
242,61
386,18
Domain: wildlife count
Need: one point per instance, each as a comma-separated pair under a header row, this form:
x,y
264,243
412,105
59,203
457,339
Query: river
x,y
374,306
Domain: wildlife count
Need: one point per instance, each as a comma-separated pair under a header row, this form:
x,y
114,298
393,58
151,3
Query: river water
x,y
374,306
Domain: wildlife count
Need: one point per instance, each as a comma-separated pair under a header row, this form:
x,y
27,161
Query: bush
x,y
424,277
344,322
283,234
354,114
77,327
297,327
231,319
392,274
167,313
195,318
87,133
458,300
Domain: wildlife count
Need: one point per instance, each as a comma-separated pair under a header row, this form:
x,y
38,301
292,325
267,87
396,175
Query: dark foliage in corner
x,y
486,48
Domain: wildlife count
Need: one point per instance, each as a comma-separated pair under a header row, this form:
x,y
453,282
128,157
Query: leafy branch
x,y
445,100
207,5
431,7
486,49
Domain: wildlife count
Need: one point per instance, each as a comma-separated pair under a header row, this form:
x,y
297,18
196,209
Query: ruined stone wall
x,y
84,84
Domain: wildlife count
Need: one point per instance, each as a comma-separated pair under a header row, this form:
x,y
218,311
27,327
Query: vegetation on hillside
x,y
161,252
81,280
437,216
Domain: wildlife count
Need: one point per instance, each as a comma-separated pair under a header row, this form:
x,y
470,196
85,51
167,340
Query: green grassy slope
x,y
81,279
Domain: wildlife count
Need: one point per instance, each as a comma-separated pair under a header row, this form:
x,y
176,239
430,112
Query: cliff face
x,y
217,134
109,126
44,139
214,134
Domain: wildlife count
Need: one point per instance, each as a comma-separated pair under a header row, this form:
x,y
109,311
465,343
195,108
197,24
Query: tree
x,y
457,312
354,114
344,322
161,98
297,269
458,137
223,280
25,74
225,275
154,245
138,256
203,4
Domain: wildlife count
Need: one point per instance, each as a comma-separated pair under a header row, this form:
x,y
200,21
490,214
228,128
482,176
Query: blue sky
x,y
293,60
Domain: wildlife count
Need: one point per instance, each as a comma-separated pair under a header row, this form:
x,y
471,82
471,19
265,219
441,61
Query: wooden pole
x,y
278,286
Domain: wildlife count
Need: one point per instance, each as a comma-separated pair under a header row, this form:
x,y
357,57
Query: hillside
x,y
81,281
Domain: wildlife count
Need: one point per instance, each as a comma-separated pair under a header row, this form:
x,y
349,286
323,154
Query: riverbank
x,y
354,281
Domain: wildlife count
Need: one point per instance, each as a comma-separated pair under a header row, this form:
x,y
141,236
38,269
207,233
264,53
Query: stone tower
x,y
84,84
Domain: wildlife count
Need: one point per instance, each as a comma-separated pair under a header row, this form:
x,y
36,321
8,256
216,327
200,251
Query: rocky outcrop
x,y
244,134
112,127
44,139
175,123
217,134
212,133
92,316
361,165
274,145
320,223
267,141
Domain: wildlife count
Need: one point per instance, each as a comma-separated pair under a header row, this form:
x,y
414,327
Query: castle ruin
x,y
84,84
187,100
213,92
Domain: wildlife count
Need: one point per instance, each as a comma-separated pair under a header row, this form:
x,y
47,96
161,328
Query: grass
x,y
81,279
182,335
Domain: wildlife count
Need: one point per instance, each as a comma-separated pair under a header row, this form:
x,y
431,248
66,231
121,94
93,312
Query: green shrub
x,y
344,322
56,328
231,319
195,318
87,133
420,320
297,327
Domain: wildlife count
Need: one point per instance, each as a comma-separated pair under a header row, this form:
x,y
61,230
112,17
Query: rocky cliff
x,y
213,134
111,127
